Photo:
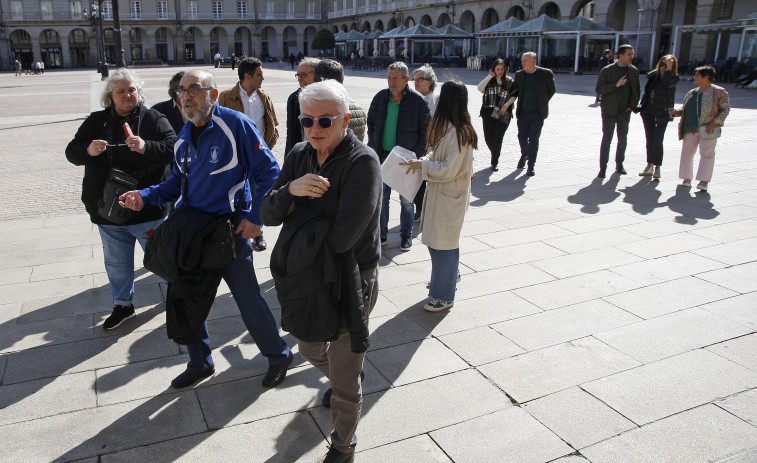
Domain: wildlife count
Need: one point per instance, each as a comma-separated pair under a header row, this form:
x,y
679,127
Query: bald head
x,y
198,107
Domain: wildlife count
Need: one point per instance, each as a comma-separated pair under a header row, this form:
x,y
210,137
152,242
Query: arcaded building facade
x,y
62,32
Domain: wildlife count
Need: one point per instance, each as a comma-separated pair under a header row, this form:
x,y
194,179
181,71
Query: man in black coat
x,y
536,86
294,129
171,108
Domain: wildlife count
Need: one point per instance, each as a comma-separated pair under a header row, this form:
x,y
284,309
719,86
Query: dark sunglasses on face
x,y
324,121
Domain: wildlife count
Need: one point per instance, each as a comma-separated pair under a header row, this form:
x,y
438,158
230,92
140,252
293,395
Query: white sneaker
x,y
657,172
436,305
686,182
702,185
647,171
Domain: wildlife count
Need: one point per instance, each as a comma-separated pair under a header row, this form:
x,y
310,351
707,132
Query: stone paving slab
x,y
87,433
564,324
263,441
740,309
740,350
657,390
421,449
538,373
478,346
415,361
670,296
743,405
512,434
578,418
738,277
658,338
703,434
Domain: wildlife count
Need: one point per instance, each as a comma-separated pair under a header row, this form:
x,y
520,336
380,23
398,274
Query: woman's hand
x,y
673,113
413,164
136,144
711,127
492,74
310,185
96,148
503,110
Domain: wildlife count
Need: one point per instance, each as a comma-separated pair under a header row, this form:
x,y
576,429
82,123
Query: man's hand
x,y
248,230
622,81
131,200
310,185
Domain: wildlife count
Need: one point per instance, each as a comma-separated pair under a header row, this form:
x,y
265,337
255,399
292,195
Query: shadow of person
x,y
595,194
31,368
643,196
692,209
509,188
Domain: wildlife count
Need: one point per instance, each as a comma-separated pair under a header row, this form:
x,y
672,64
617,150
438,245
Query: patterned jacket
x,y
715,106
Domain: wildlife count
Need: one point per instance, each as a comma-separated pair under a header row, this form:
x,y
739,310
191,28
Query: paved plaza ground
x,y
603,321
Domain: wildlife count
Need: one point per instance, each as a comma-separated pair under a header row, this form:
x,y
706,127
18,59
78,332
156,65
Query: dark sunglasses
x,y
324,121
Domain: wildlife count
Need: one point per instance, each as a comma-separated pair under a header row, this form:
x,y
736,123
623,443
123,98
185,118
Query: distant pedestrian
x,y
448,168
536,86
604,60
233,61
703,113
620,88
18,67
304,78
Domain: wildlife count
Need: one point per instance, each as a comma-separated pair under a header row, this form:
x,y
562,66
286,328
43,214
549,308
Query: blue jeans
x,y
444,272
257,317
118,249
406,214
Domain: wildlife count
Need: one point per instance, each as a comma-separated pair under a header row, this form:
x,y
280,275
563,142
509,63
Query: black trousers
x,y
494,132
654,128
609,124
529,131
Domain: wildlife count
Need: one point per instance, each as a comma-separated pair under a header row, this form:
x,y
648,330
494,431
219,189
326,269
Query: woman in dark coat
x,y
499,91
101,144
659,96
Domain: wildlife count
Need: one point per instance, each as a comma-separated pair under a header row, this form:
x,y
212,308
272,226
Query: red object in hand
x,y
127,130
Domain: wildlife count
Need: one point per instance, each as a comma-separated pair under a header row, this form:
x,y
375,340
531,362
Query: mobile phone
x,y
127,130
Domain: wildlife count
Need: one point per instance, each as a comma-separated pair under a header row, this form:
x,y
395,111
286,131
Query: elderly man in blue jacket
x,y
223,153
398,116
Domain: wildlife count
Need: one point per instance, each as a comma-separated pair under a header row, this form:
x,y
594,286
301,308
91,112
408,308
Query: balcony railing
x,y
65,17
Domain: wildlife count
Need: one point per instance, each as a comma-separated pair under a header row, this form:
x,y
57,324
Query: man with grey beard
x,y
222,153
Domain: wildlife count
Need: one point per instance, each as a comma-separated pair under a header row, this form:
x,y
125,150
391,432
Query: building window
x,y
269,8
160,35
290,9
46,8
162,10
336,6
217,10
722,9
76,12
49,36
135,8
17,10
192,9
109,36
135,35
107,10
311,8
77,36
242,10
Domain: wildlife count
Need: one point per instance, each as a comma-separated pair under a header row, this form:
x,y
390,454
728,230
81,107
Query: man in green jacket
x,y
619,86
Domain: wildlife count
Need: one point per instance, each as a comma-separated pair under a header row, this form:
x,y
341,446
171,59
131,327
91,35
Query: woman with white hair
x,y
325,262
424,79
123,147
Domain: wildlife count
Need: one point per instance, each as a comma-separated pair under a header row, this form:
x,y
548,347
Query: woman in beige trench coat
x,y
447,169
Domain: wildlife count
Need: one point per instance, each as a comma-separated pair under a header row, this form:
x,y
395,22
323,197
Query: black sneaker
x,y
120,314
277,373
335,456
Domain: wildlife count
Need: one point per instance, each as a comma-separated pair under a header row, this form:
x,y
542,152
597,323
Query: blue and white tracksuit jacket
x,y
229,163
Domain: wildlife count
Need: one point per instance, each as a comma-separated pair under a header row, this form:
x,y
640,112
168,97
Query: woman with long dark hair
x,y
447,168
497,107
659,96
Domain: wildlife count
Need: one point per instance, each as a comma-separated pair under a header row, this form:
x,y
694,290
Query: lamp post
x,y
120,60
96,25
529,5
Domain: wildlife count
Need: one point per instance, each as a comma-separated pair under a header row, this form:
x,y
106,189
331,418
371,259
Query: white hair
x,y
106,100
326,90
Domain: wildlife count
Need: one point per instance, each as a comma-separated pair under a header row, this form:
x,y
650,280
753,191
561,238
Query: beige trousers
x,y
707,157
342,367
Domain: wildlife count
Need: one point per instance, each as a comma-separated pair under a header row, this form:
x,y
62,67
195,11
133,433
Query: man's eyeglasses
x,y
302,74
420,78
324,121
191,91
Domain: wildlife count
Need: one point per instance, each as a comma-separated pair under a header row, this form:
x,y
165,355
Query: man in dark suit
x,y
536,85
304,78
171,108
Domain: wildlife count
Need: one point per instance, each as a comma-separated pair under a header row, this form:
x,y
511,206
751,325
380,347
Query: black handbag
x,y
117,183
